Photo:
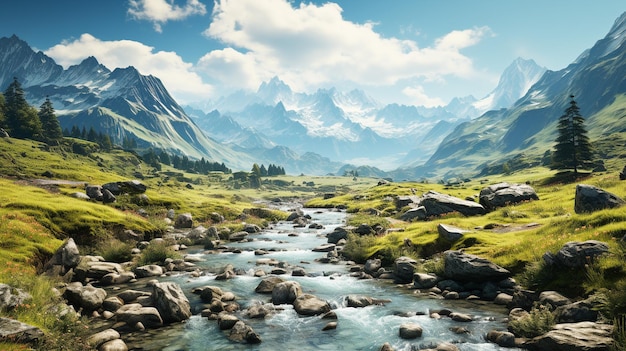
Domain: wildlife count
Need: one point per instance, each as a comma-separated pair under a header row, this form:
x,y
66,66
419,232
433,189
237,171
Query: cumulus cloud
x,y
160,12
310,45
418,96
177,76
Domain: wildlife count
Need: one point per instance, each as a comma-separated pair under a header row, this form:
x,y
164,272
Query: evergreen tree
x,y
2,112
263,171
21,118
164,157
51,129
105,142
75,132
572,149
92,135
256,170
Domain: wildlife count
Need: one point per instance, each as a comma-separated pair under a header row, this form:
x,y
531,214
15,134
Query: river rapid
x,y
357,328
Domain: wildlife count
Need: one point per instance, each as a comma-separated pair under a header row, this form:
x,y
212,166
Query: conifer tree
x,y
51,129
21,118
572,149
2,113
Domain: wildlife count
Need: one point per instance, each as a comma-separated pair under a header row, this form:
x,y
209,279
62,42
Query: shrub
x,y
539,321
156,253
357,247
116,251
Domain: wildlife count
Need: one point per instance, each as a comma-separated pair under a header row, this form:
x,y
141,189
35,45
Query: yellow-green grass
x,y
521,233
64,215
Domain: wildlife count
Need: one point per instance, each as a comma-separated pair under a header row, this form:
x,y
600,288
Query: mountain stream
x,y
365,328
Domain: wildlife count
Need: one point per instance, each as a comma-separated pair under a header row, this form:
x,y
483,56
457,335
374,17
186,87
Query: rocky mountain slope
x,y
597,79
121,103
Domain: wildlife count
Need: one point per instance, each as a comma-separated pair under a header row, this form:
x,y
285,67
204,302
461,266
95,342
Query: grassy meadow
x,y
37,213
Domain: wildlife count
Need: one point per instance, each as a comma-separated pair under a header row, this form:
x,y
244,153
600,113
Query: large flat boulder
x,y
583,336
310,305
504,194
465,267
16,331
590,199
437,204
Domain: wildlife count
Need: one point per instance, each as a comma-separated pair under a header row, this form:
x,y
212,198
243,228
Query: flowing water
x,y
358,328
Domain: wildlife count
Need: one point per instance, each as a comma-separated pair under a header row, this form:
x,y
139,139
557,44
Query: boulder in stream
x,y
171,302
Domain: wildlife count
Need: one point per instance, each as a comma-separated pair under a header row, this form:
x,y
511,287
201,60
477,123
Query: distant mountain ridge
x,y
527,129
351,126
121,103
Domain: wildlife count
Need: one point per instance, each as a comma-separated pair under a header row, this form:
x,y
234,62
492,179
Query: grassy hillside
x,y
514,237
38,212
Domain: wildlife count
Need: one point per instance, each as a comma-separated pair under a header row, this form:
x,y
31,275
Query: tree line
x,y
20,120
201,166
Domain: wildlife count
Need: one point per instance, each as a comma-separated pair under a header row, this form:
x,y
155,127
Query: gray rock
x,y
330,326
410,331
243,333
404,268
134,313
102,337
94,192
324,248
151,270
86,297
583,336
251,228
80,196
67,256
337,234
501,338
553,298
437,204
310,305
450,233
11,297
171,302
114,345
286,292
184,220
108,197
415,213
465,267
581,311
504,194
590,198
226,321
576,254
372,266
133,187
16,331
424,281
266,286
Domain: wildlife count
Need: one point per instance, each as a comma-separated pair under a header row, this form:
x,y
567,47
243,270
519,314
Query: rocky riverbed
x,y
288,287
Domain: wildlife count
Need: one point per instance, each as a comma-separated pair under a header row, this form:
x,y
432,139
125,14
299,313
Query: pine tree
x,y
51,129
21,118
2,113
572,149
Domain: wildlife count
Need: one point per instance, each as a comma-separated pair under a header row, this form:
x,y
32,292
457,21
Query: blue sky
x,y
421,52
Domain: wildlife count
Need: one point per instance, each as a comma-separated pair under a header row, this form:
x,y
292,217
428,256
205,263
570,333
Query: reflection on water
x,y
358,328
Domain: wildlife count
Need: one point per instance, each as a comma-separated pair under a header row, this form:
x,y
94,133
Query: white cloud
x,y
310,45
177,76
419,97
160,12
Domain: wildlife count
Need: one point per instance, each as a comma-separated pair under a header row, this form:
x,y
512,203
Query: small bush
x,y
116,251
156,253
538,322
357,247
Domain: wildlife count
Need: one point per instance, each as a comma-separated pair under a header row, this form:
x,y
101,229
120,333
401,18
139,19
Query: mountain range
x,y
526,130
329,131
